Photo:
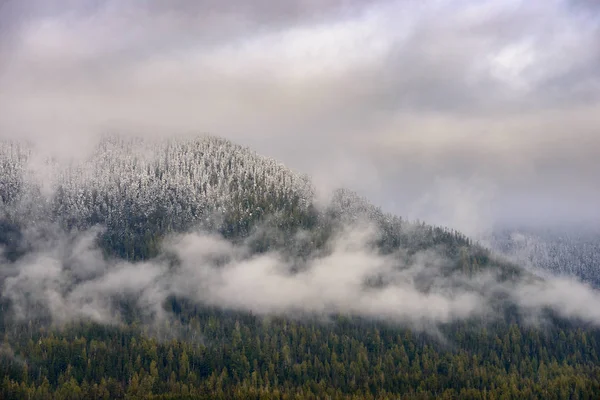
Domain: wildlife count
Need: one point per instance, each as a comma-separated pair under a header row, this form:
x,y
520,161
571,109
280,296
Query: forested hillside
x,y
241,356
565,251
198,269
141,190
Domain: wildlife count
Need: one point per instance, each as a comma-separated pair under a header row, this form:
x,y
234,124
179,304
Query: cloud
x,y
507,92
464,206
567,297
71,280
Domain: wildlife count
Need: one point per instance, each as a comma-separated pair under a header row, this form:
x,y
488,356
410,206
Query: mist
x,y
67,277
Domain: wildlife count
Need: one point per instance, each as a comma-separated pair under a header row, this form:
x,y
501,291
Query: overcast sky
x,y
464,113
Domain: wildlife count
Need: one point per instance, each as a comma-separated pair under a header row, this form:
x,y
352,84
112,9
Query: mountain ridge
x,y
203,181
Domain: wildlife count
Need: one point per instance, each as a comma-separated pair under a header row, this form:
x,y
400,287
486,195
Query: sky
x,y
468,114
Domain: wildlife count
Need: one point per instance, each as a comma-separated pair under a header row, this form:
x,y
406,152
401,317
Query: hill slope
x,y
142,190
565,251
216,274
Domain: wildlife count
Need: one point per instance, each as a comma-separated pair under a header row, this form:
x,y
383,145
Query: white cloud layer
x,y
68,276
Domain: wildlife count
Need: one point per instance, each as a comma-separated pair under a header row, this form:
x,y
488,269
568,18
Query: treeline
x,y
563,251
242,356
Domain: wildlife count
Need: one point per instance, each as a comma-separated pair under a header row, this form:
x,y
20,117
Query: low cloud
x,y
71,280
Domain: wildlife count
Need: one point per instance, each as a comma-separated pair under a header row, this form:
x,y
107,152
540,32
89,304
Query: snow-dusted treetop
x,y
185,176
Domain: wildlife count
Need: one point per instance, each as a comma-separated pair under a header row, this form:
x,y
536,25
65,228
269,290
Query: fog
x,y
468,114
69,278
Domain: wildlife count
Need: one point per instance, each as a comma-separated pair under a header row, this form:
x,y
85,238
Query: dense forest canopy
x,y
559,250
198,269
